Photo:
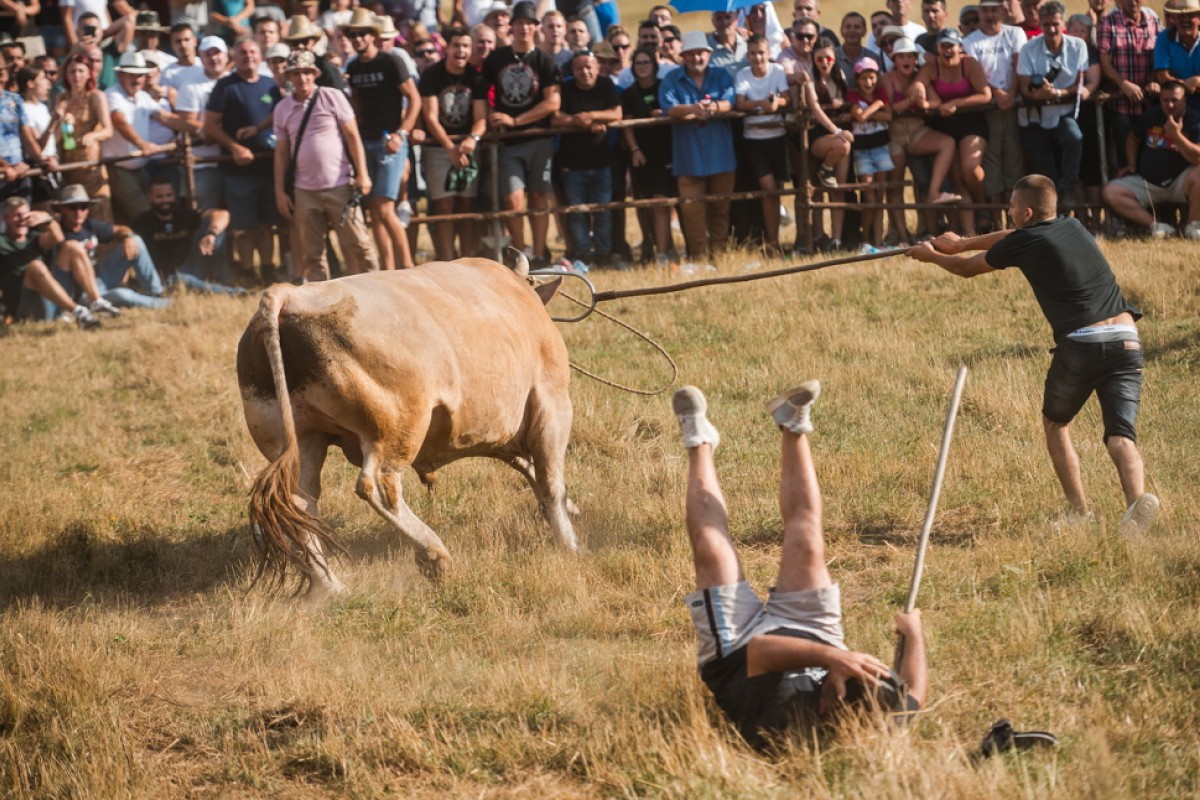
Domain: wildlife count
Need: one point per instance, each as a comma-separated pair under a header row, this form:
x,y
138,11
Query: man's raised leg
x,y
802,565
707,515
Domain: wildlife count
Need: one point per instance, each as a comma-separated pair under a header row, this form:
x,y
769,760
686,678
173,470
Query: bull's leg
x,y
324,583
523,466
548,446
379,484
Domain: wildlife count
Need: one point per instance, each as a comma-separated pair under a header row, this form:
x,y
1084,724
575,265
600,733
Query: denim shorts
x,y
1113,370
873,161
385,169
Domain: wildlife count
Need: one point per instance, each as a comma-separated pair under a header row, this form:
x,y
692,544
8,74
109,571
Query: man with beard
x,y
526,83
188,247
454,102
379,86
329,168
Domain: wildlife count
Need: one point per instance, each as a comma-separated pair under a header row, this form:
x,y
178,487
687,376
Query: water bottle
x,y
68,136
271,140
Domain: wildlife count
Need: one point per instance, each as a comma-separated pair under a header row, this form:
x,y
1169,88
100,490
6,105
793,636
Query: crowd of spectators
x,y
333,120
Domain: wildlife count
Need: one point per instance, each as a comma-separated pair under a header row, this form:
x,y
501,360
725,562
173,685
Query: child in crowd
x,y
871,114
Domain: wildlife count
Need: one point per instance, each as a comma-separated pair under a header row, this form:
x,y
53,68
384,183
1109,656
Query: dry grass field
x,y
136,659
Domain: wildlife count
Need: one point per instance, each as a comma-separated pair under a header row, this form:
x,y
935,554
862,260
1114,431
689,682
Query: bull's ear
x,y
547,290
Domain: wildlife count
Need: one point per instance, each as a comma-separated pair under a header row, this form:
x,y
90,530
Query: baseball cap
x,y
905,45
865,64
949,35
213,43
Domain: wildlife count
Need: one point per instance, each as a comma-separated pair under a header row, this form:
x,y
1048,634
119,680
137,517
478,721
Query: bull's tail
x,y
285,533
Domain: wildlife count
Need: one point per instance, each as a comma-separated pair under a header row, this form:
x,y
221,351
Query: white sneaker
x,y
102,306
868,249
1138,518
1161,230
404,212
85,319
691,409
1192,230
790,409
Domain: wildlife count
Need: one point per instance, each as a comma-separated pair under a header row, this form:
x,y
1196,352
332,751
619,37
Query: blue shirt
x,y
699,149
1170,55
12,117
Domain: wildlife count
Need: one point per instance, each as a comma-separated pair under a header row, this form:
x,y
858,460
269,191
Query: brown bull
x,y
415,368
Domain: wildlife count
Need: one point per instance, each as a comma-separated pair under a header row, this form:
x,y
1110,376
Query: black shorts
x,y
767,157
10,291
960,126
1113,370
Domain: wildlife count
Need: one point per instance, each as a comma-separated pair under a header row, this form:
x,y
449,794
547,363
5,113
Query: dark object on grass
x,y
1002,738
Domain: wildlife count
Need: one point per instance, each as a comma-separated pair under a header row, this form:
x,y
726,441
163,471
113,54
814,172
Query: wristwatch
x,y
476,137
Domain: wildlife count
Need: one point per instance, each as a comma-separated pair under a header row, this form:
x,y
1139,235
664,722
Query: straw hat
x,y
361,20
73,194
387,28
133,63
301,28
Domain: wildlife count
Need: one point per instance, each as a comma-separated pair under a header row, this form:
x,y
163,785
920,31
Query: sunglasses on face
x,y
669,39
621,46
425,53
806,37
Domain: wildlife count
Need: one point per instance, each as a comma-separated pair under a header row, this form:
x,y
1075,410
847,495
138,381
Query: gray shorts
x,y
436,165
526,165
1150,195
728,617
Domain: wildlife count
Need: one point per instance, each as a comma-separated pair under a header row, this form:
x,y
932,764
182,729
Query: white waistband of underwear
x,y
1125,331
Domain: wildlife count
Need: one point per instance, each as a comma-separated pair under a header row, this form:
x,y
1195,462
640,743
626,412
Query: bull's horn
x,y
521,267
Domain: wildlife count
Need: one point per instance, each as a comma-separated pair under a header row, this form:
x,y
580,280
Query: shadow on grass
x,y
151,567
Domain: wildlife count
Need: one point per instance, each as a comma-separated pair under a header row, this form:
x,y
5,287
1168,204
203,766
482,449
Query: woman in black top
x,y
649,146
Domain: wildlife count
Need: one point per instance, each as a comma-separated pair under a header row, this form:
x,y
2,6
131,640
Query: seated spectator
x,y
953,85
23,265
85,125
77,255
829,144
910,136
1052,67
448,93
189,247
871,114
131,110
703,162
650,151
589,104
1165,146
762,88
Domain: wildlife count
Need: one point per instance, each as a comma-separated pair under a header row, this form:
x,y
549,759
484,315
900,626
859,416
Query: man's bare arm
x,y
962,266
912,666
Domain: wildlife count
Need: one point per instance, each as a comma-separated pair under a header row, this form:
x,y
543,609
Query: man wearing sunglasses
x,y
1176,56
1050,69
672,46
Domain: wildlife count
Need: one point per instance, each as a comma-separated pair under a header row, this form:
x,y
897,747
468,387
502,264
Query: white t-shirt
x,y
81,7
159,133
193,97
995,54
475,10
137,111
755,88
38,114
177,75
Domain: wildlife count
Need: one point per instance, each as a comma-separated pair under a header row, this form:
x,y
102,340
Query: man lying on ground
x,y
783,663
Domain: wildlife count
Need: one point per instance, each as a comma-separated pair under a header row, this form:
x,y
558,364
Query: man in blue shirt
x,y
703,151
1176,56
12,158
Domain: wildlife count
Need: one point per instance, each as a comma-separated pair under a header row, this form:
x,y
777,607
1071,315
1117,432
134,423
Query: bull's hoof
x,y
432,565
321,593
573,509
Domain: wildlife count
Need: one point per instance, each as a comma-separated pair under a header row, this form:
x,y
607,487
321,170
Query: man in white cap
x,y
190,103
321,162
703,159
131,109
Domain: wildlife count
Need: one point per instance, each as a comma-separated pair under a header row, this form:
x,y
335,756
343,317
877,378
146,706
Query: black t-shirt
x,y
330,75
586,150
92,234
168,240
1159,160
375,90
1070,277
654,140
520,81
454,95
243,103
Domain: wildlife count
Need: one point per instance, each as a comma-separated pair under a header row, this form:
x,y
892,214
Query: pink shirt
x,y
322,162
